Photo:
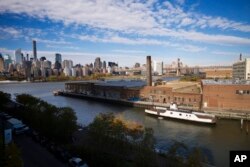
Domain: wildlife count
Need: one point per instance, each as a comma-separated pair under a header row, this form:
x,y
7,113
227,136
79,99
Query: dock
x,y
148,105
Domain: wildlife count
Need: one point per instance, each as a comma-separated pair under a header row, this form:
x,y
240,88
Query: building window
x,y
194,100
183,99
237,91
248,91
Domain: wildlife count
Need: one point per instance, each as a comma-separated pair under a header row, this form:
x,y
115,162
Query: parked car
x,y
17,126
77,162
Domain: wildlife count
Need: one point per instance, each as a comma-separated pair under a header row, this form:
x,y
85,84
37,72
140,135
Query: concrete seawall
x,y
148,105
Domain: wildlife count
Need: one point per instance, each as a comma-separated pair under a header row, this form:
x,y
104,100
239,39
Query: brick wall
x,y
225,97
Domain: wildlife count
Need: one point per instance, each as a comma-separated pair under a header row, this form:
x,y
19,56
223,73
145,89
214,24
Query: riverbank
x,y
147,105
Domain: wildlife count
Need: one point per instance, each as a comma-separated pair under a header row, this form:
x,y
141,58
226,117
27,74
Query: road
x,y
34,155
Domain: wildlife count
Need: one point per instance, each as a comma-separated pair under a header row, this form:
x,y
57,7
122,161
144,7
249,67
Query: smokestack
x,y
149,71
240,57
34,50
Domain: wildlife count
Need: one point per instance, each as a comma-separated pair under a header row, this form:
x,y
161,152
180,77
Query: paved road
x,y
34,155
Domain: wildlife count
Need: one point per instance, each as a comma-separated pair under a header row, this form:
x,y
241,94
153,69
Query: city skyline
x,y
197,32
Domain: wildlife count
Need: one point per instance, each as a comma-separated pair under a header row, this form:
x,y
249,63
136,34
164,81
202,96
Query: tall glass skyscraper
x,y
18,56
58,58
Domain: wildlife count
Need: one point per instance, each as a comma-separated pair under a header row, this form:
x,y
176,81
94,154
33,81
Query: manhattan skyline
x,y
198,32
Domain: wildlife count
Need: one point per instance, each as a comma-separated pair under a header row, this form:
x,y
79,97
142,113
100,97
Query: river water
x,y
215,141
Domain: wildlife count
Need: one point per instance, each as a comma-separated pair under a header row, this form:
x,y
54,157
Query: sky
x,y
199,32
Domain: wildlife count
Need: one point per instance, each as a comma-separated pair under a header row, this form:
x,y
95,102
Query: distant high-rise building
x,y
137,65
112,64
18,56
46,64
34,50
1,63
42,58
104,65
67,63
158,67
27,69
7,61
58,58
98,63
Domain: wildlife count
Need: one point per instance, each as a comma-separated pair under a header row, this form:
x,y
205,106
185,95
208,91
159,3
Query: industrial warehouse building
x,y
226,95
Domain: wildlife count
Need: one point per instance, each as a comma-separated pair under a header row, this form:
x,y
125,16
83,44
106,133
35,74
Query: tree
x,y
4,98
13,156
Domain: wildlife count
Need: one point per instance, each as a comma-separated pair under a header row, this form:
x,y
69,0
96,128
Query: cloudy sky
x,y
199,32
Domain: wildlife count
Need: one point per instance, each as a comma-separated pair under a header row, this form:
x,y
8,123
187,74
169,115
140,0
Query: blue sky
x,y
199,32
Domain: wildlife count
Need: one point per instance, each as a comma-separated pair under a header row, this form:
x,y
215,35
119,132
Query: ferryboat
x,y
174,112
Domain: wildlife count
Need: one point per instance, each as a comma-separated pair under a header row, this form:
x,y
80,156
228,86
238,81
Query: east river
x,y
215,141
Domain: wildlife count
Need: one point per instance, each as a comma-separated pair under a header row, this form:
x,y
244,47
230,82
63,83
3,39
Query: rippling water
x,y
215,141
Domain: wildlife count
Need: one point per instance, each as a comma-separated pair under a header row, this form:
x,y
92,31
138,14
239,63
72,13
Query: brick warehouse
x,y
184,95
226,95
181,93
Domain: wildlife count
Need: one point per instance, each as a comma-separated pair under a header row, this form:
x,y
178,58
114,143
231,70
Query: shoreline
x,y
146,105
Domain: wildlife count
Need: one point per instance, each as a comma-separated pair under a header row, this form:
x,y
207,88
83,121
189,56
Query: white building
x,y
85,71
158,67
73,72
18,56
241,69
67,71
67,63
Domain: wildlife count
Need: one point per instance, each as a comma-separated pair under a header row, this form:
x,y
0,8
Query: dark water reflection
x,y
215,141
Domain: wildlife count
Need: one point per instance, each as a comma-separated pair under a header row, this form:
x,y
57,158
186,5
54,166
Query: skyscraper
x,y
18,56
97,64
1,63
7,61
104,65
58,58
34,50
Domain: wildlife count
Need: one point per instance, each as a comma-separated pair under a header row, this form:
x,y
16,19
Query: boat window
x,y
180,114
171,113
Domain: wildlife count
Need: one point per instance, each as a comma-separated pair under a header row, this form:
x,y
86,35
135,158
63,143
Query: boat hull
x,y
185,116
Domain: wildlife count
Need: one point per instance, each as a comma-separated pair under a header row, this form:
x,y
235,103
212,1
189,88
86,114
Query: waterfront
x,y
216,141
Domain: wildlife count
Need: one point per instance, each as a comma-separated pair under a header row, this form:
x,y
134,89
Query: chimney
x,y
240,57
149,71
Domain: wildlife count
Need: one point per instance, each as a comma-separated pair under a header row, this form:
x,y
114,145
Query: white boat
x,y
174,112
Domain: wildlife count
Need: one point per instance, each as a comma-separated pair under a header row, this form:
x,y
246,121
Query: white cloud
x,y
58,42
129,51
7,32
139,41
130,17
181,2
